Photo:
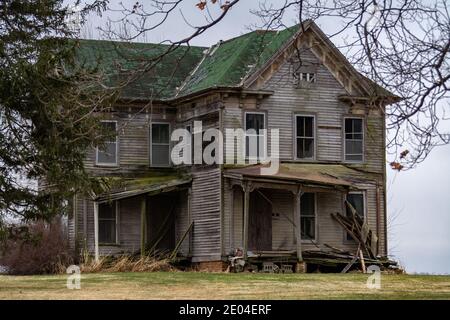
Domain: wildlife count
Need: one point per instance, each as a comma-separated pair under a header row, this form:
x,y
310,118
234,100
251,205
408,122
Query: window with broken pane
x,y
107,154
107,223
308,216
255,140
160,145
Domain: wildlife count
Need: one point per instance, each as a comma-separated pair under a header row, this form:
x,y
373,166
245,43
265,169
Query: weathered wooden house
x,y
332,148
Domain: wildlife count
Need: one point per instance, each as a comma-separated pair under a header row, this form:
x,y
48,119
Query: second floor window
x,y
304,137
107,223
354,139
255,139
160,145
107,154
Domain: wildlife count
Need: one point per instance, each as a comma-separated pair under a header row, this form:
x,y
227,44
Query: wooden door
x,y
260,223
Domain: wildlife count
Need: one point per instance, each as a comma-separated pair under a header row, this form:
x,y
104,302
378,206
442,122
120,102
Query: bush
x,y
44,250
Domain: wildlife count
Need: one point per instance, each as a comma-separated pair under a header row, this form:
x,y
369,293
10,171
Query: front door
x,y
260,223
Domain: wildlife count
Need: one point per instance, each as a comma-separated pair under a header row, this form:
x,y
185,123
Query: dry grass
x,y
197,285
127,263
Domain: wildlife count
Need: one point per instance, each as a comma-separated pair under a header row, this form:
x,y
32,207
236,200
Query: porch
x,y
285,217
146,216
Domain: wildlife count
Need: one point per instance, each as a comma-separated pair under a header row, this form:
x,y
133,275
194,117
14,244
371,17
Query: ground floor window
x,y
308,216
107,223
357,202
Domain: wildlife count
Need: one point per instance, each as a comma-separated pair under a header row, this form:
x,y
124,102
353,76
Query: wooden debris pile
x,y
358,229
367,241
343,260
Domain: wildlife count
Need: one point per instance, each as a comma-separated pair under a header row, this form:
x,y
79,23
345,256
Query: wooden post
x,y
96,250
143,225
246,218
298,235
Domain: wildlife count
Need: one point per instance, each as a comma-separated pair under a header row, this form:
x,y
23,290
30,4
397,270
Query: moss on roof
x,y
227,63
190,69
119,60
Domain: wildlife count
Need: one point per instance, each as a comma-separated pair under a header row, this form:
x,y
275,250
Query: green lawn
x,y
196,285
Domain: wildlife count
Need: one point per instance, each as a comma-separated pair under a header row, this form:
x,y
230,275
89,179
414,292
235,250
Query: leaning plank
x,y
349,265
177,247
363,264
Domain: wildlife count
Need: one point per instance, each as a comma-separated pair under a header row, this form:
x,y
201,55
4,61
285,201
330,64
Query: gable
x,y
305,53
311,37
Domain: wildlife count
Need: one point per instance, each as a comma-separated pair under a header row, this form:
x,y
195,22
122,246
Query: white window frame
x,y
264,156
345,139
108,164
297,137
364,213
117,225
316,225
151,144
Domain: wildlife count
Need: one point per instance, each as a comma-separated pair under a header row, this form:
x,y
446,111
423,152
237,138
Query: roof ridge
x,y
136,43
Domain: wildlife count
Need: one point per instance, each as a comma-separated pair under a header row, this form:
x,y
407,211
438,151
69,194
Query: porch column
x,y
298,232
189,198
143,224
246,188
96,251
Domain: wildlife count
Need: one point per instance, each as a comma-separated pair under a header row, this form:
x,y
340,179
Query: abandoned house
x,y
331,148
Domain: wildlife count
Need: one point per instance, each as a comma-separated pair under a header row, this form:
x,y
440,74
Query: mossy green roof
x,y
184,71
227,63
118,62
119,187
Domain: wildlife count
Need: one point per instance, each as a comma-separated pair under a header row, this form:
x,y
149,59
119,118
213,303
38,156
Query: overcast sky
x,y
418,200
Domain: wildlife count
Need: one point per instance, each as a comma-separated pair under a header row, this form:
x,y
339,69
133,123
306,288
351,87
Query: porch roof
x,y
330,175
121,188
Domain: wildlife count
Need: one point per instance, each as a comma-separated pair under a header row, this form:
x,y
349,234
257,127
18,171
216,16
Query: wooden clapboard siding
x,y
233,119
206,206
320,99
134,138
227,218
283,237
